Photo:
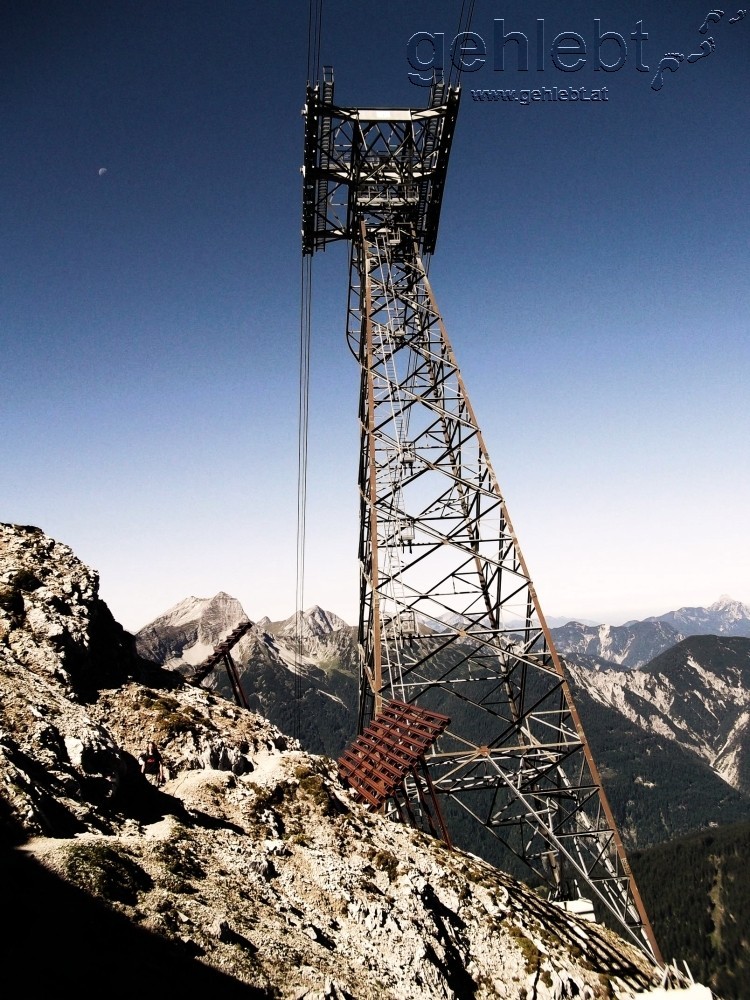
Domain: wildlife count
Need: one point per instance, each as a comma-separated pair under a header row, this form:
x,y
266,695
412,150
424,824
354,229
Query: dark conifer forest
x,y
697,893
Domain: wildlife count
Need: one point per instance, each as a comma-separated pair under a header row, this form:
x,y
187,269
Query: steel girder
x,y
449,618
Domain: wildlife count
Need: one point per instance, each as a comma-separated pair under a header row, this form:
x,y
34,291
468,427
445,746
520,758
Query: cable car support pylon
x,y
449,617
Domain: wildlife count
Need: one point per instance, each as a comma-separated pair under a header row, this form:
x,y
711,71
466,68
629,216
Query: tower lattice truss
x,y
449,617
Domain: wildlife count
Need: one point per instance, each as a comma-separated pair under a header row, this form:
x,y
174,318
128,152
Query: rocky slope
x,y
251,872
630,645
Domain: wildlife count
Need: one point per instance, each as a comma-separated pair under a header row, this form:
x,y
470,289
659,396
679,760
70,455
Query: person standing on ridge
x,y
152,764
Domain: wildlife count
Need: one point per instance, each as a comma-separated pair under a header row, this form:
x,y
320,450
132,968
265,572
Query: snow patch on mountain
x,y
195,654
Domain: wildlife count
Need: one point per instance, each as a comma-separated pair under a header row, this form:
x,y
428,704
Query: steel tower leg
x,y
449,618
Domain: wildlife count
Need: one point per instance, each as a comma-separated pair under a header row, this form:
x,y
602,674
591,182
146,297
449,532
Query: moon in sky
x,y
102,171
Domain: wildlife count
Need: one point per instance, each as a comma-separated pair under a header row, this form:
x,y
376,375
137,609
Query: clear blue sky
x,y
592,268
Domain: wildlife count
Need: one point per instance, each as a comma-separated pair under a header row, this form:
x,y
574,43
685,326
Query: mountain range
x,y
637,642
306,686
725,617
666,715
696,694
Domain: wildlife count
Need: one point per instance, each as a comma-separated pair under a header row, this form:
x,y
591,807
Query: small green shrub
x,y
177,857
265,796
101,870
168,718
313,787
529,950
386,862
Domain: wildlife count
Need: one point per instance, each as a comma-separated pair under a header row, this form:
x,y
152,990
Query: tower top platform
x,y
384,165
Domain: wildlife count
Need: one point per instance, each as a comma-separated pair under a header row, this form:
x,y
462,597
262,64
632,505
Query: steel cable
x,y
315,21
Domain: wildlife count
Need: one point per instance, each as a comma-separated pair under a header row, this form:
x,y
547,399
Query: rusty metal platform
x,y
377,764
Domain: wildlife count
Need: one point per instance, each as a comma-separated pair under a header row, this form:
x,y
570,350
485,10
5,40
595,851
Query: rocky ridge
x,y
631,645
724,617
252,861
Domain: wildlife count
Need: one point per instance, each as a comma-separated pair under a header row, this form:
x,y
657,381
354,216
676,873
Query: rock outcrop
x,y
251,872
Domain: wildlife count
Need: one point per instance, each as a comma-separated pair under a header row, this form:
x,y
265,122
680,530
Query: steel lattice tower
x,y
449,618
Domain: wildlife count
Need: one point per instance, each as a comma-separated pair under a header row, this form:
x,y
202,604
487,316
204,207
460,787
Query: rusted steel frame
x,y
367,763
413,738
369,785
428,801
442,368
570,705
434,799
403,807
403,743
378,746
371,793
429,726
202,670
375,765
381,775
401,722
356,758
424,802
404,739
234,680
534,820
377,791
423,715
423,732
